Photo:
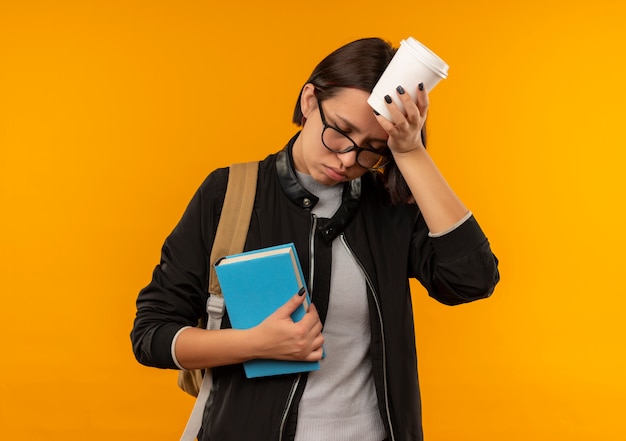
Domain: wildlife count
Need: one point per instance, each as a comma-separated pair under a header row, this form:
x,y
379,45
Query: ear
x,y
308,100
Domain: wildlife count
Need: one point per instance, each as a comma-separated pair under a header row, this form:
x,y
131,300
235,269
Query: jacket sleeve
x,y
457,267
177,294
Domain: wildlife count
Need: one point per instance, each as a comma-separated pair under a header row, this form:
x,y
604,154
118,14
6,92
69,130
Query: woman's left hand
x,y
405,131
439,205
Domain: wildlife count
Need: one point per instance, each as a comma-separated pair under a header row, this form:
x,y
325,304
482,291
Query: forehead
x,y
348,95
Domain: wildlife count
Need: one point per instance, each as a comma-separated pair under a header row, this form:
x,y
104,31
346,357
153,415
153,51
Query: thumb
x,y
291,305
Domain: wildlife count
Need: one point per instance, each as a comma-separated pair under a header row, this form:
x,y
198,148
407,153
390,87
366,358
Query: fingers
x,y
311,337
317,354
422,100
290,306
311,321
398,116
408,116
414,108
289,340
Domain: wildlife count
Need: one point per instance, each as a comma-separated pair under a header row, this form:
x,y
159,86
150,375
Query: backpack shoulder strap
x,y
232,228
230,238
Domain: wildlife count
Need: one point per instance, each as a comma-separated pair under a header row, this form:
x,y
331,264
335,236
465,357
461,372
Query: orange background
x,y
113,112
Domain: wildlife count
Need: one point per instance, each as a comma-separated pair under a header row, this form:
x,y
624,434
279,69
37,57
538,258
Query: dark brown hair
x,y
357,65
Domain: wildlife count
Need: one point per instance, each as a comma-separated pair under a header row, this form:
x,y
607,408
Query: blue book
x,y
255,284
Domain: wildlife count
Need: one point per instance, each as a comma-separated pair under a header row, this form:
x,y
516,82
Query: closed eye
x,y
340,129
381,144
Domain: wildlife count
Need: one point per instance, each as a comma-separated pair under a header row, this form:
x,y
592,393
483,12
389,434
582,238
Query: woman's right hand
x,y
278,337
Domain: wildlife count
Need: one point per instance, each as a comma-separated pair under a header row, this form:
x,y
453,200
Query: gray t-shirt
x,y
339,402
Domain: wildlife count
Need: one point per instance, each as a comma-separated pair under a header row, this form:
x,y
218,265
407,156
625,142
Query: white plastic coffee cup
x,y
412,64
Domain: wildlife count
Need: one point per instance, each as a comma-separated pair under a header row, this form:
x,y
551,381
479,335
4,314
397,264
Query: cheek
x,y
313,147
308,158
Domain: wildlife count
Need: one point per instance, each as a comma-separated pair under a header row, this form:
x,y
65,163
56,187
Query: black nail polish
x,y
388,99
376,113
301,291
400,90
421,86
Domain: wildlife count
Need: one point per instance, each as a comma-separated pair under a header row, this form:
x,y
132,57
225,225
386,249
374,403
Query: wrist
x,y
414,152
256,344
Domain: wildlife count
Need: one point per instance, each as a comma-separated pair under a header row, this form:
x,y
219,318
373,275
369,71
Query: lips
x,y
336,175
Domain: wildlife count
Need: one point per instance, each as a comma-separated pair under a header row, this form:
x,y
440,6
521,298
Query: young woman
x,y
367,209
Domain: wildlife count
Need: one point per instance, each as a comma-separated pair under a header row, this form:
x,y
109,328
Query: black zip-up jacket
x,y
390,243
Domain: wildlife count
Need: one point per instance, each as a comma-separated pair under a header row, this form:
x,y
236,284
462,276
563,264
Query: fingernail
x,y
421,86
388,99
376,113
400,90
301,291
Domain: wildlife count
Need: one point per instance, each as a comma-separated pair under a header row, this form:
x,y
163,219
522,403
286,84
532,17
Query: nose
x,y
348,159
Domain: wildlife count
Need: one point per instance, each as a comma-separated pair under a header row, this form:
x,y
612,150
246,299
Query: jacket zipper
x,y
382,328
283,419
294,386
312,253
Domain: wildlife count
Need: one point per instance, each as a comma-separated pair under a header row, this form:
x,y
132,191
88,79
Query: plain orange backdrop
x,y
113,112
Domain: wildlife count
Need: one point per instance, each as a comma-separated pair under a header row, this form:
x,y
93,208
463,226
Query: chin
x,y
324,179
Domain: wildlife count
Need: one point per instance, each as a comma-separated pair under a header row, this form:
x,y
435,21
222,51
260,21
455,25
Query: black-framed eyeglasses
x,y
335,140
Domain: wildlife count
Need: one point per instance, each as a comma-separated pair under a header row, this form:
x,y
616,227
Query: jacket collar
x,y
293,189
